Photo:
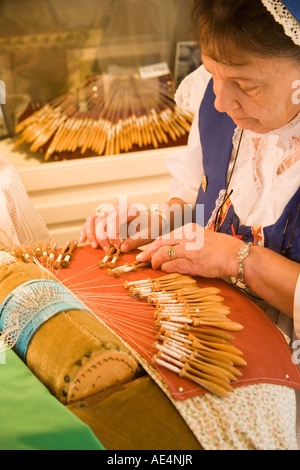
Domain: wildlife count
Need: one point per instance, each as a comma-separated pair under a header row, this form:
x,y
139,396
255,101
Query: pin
x,y
204,183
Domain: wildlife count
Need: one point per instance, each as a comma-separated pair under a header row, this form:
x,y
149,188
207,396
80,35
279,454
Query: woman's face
x,y
259,95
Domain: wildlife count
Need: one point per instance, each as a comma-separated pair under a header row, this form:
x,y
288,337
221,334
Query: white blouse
x,y
267,172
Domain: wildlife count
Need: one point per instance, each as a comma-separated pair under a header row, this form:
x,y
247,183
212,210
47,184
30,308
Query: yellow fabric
x,y
65,343
137,417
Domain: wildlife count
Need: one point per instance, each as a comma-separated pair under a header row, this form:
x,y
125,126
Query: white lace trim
x,y
6,258
187,95
284,17
183,93
218,204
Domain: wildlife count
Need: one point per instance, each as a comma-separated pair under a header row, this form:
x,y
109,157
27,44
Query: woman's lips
x,y
238,118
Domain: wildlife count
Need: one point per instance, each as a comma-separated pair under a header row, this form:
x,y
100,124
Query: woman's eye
x,y
249,90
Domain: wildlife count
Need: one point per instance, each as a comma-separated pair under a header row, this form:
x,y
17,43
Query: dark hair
x,y
221,26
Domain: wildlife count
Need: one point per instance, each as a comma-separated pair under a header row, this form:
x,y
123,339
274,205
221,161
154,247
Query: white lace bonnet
x,y
287,13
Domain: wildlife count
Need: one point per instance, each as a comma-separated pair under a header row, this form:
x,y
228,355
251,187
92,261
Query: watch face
x,y
243,250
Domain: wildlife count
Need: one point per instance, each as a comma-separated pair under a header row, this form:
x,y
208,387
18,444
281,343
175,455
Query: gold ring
x,y
171,252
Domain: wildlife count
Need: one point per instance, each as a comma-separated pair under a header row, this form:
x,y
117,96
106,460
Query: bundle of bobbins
x,y
71,351
111,259
47,253
195,332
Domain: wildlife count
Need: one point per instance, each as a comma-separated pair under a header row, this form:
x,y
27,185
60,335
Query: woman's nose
x,y
225,100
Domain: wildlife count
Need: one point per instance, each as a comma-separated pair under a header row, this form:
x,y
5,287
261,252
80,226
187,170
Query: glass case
x,y
49,47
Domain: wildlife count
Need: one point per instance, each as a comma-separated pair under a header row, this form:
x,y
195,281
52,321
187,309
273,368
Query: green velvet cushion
x,y
31,418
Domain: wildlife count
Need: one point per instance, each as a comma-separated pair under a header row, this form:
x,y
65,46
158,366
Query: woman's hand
x,y
197,251
121,225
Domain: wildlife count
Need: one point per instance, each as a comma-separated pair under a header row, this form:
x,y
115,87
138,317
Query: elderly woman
x,y
243,159
241,176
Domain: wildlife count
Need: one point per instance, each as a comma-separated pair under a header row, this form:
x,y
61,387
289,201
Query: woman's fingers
x,y
88,231
101,235
194,251
141,231
132,243
83,236
149,252
94,231
123,226
167,254
190,237
182,266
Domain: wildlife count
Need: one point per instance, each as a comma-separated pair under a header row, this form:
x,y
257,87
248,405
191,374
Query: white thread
x,y
167,366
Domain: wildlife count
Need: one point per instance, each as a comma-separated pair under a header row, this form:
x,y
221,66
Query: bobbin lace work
x,y
23,306
283,16
28,302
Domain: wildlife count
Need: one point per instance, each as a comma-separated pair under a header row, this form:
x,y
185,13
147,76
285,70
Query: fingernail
x,y
105,248
124,247
94,245
139,256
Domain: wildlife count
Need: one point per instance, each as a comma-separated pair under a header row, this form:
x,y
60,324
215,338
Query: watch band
x,y
242,253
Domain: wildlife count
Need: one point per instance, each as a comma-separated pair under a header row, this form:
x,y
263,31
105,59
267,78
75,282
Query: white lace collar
x,y
267,173
286,142
291,129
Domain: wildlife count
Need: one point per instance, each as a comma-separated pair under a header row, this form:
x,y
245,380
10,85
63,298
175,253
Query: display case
x,y
50,48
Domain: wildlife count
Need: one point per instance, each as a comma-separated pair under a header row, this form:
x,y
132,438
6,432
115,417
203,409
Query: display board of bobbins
x,y
199,335
107,115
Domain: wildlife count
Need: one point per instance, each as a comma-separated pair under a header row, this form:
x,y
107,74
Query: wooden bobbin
x,y
51,252
38,249
45,247
69,254
117,272
59,259
103,263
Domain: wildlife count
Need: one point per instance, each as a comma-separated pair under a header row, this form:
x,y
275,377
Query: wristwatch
x,y
242,253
